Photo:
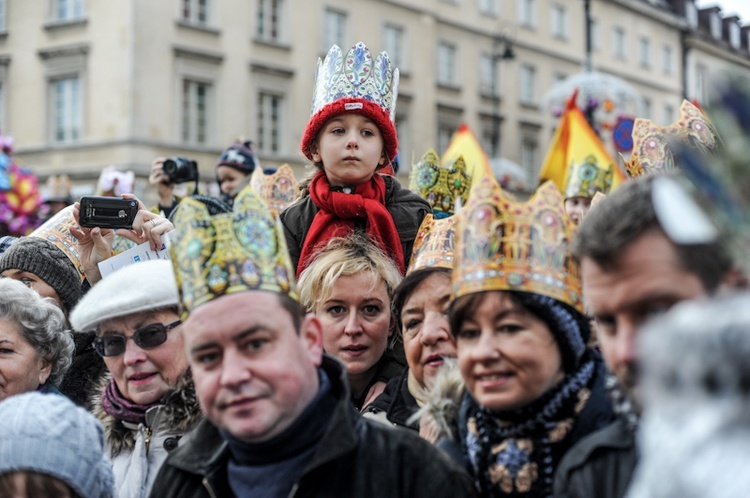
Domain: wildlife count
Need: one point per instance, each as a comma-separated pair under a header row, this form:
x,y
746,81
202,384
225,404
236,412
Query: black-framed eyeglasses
x,y
148,337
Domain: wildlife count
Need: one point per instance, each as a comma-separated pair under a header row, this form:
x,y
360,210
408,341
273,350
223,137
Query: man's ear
x,y
311,332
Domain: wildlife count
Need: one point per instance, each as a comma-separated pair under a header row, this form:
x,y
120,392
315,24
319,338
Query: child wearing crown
x,y
350,137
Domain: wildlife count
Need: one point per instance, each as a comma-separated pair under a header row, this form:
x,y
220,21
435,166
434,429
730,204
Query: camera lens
x,y
169,166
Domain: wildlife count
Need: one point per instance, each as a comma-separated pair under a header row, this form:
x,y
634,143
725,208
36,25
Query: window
x,y
644,52
445,133
529,151
691,14
490,136
66,10
528,75
559,21
734,35
490,7
527,13
701,84
488,77
196,103
595,35
646,108
668,115
405,151
393,44
3,8
334,29
270,112
666,55
196,11
66,109
619,43
446,70
270,20
716,26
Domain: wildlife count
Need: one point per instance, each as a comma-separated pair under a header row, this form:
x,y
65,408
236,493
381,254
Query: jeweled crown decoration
x,y
440,186
278,189
587,178
57,231
228,253
651,144
434,246
502,244
356,75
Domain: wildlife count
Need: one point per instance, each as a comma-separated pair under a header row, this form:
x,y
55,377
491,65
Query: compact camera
x,y
180,169
107,212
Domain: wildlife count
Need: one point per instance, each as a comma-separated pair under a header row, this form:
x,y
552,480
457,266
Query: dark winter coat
x,y
85,373
407,210
356,457
395,404
599,465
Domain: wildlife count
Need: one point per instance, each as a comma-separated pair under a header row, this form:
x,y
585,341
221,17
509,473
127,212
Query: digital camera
x,y
180,169
107,212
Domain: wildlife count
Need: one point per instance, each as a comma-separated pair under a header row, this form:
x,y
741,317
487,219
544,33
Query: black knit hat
x,y
43,259
240,156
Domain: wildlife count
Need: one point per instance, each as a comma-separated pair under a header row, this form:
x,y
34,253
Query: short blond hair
x,y
343,257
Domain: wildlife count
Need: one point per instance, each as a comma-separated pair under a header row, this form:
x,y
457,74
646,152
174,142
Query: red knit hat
x,y
354,83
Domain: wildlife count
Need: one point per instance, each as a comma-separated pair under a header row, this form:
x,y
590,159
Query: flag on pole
x,y
575,142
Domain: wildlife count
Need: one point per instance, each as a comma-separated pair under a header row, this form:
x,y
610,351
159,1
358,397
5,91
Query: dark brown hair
x,y
37,485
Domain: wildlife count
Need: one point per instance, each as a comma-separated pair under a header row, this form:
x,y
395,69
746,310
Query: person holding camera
x,y
164,188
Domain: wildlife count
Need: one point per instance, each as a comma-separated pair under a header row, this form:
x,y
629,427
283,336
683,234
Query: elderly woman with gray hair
x,y
35,348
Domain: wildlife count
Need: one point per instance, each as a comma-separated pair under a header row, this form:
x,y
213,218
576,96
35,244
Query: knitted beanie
x,y
356,105
43,259
240,156
136,288
48,434
570,328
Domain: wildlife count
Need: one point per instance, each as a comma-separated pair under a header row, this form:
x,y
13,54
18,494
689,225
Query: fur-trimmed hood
x,y
179,412
443,401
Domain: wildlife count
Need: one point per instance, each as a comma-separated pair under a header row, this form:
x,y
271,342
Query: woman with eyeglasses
x,y
148,402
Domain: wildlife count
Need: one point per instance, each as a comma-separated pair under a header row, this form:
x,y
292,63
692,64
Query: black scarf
x,y
515,453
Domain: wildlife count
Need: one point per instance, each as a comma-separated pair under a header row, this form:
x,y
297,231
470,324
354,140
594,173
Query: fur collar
x,y
180,412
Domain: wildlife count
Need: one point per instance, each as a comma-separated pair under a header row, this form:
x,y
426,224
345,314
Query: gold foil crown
x,y
506,245
227,253
434,246
56,230
277,189
356,75
440,186
651,144
587,178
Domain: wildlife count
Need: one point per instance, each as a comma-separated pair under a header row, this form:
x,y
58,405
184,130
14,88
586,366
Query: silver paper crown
x,y
356,76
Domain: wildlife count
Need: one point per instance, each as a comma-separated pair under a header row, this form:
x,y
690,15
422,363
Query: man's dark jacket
x,y
356,457
599,465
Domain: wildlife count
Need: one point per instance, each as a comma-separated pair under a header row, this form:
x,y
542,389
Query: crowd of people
x,y
365,339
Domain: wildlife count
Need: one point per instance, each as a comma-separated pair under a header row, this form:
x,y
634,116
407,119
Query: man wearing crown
x,y
631,270
279,420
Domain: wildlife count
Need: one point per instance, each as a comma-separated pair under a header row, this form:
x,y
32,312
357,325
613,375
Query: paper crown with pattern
x,y
278,189
652,152
438,185
231,252
506,245
354,82
587,178
434,246
56,230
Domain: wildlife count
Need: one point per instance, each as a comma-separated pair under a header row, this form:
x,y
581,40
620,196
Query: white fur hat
x,y
145,286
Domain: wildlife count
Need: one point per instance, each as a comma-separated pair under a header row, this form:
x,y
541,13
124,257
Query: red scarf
x,y
338,212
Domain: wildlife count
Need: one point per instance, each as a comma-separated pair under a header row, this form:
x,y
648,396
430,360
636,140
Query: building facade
x,y
85,84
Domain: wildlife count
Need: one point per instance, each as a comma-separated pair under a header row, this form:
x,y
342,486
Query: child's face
x,y
350,146
577,207
228,179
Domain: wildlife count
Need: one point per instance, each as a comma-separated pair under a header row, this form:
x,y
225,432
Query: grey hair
x,y
41,324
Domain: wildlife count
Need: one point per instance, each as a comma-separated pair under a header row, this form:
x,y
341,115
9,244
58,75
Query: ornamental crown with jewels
x,y
506,245
587,178
440,186
356,75
277,188
434,246
652,152
231,252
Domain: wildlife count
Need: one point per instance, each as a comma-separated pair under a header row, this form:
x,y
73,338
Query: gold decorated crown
x,y
587,178
652,151
434,245
231,252
506,245
56,230
278,189
440,186
356,75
